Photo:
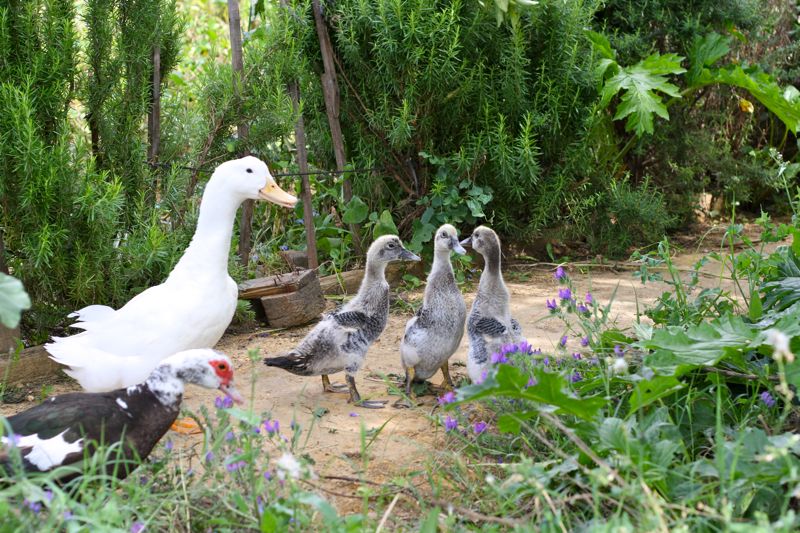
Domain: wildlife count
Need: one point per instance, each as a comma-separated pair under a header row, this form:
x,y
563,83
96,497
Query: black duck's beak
x,y
405,255
467,242
457,248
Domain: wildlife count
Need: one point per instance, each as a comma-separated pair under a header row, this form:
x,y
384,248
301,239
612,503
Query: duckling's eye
x,y
249,170
391,244
443,235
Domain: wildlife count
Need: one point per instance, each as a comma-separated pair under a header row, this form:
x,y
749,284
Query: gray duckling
x,y
489,325
435,332
339,342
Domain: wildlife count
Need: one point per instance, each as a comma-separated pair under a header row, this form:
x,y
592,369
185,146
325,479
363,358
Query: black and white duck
x,y
435,332
62,429
489,325
339,342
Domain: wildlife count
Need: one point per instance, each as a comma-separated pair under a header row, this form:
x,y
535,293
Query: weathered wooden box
x,y
285,300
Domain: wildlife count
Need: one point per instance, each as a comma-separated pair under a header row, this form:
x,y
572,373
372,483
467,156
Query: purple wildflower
x,y
565,293
575,377
582,309
589,299
483,377
168,445
576,356
35,507
272,426
559,274
585,341
284,247
531,382
236,465
479,427
525,348
300,221
537,351
229,436
618,350
223,403
450,423
563,341
594,361
499,357
546,361
137,527
447,397
767,398
353,414
67,515
48,495
144,480
267,475
552,305
256,430
209,456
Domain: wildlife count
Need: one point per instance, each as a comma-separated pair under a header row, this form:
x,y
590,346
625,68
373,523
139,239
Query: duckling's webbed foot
x,y
327,386
355,397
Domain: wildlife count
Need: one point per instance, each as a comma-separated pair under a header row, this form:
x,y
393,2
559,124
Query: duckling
x,y
489,325
341,339
435,332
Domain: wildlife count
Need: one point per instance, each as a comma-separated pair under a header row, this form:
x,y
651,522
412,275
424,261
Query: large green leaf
x,y
384,225
640,85
678,351
706,51
762,86
355,212
650,390
13,300
551,389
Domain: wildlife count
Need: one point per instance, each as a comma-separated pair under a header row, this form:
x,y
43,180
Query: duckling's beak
x,y
405,255
456,246
467,242
271,192
230,391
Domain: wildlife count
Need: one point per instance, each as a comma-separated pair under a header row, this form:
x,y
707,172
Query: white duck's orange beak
x,y
272,193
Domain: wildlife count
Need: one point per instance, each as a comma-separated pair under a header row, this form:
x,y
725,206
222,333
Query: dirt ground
x,y
410,436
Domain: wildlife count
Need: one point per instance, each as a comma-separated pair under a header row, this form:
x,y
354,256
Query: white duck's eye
x,y
249,170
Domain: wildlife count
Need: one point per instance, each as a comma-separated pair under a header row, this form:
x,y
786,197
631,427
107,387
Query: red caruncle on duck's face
x,y
223,370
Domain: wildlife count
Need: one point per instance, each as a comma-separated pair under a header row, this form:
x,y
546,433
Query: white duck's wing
x,y
157,323
98,370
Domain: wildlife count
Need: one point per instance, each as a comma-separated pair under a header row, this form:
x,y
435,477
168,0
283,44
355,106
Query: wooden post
x,y
3,266
302,162
154,122
242,129
331,91
154,118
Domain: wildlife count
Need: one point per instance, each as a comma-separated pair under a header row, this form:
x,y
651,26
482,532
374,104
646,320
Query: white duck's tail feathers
x,y
90,315
97,370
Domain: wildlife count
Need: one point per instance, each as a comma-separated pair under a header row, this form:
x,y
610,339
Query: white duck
x,y
191,309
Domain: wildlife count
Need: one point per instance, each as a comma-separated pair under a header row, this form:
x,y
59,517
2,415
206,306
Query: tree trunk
x,y
302,162
331,91
242,129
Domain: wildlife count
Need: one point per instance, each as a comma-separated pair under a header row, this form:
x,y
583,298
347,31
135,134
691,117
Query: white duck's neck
x,y
211,243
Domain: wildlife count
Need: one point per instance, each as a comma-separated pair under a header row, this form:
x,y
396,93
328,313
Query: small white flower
x,y
620,366
288,466
780,345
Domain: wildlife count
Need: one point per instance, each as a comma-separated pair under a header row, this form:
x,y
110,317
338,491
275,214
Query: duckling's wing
x,y
489,326
516,329
353,319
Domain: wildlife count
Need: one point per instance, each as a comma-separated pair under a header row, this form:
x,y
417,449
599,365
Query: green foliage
x,y
13,300
696,415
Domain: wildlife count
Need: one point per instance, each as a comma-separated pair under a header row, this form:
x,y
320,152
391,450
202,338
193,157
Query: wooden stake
x,y
154,121
302,162
331,91
3,266
242,129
